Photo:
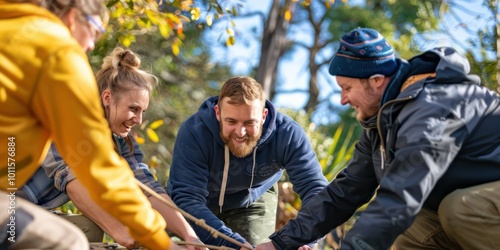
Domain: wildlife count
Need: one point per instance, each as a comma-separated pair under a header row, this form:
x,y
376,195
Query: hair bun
x,y
127,58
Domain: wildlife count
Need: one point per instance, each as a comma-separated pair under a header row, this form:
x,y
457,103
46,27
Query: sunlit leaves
x,y
195,14
152,17
444,9
129,18
126,39
230,41
152,135
156,124
150,132
140,140
186,5
209,20
288,15
305,3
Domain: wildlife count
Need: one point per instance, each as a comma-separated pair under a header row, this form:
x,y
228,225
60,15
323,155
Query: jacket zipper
x,y
382,141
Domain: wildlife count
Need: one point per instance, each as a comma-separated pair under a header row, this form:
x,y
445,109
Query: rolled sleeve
x,y
141,170
143,174
57,169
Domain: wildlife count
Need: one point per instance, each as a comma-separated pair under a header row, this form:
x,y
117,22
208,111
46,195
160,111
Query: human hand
x,y
265,246
126,240
174,246
196,240
248,246
305,247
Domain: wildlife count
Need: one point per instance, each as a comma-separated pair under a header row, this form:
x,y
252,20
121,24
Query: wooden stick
x,y
199,222
180,243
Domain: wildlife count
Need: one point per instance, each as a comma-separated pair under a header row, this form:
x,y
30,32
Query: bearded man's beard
x,y
241,150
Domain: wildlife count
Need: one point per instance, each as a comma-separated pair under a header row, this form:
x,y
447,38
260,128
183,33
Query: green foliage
x,y
168,18
333,152
68,208
339,153
343,20
486,69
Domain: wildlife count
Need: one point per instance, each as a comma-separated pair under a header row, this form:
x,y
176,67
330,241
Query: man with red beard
x,y
228,157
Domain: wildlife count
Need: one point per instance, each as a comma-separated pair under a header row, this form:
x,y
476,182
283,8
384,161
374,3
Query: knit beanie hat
x,y
362,53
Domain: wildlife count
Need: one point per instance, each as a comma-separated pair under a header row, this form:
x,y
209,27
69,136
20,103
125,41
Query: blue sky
x,y
292,70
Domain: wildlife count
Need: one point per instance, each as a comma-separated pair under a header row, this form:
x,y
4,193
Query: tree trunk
x,y
313,67
273,41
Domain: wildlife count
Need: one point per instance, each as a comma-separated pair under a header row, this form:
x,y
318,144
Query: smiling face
x,y
125,111
240,125
86,29
361,94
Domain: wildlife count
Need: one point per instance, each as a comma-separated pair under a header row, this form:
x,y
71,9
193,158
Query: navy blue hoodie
x,y
198,165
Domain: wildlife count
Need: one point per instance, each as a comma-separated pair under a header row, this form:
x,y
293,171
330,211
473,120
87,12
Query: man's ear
x,y
376,81
264,115
217,112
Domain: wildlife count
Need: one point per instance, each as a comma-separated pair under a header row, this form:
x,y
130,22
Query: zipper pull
x,y
382,156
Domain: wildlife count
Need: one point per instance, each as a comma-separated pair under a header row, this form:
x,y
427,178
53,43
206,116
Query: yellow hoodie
x,y
48,92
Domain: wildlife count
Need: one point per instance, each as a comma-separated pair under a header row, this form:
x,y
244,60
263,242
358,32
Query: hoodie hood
x,y
207,115
448,65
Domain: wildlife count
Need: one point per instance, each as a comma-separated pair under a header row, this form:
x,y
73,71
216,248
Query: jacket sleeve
x,y
188,183
300,161
66,101
141,170
57,169
335,204
427,142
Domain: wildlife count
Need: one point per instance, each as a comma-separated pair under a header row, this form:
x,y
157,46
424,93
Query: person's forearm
x,y
175,221
80,197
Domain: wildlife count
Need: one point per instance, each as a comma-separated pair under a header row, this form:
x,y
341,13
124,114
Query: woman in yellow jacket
x,y
48,92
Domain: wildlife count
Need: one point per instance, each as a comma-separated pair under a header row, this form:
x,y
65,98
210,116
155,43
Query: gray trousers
x,y
24,225
256,222
467,219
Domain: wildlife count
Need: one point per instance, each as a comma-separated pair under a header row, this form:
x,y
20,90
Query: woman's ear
x,y
69,19
106,98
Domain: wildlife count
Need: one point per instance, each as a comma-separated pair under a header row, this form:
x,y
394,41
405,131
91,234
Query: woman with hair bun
x,y
125,91
48,94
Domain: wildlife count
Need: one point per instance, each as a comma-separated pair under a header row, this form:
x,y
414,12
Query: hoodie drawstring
x,y
224,177
251,181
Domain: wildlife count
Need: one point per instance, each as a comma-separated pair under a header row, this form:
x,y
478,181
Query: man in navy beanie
x,y
430,154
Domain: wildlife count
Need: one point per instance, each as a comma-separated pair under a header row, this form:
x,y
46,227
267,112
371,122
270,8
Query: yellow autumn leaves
x,y
150,132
